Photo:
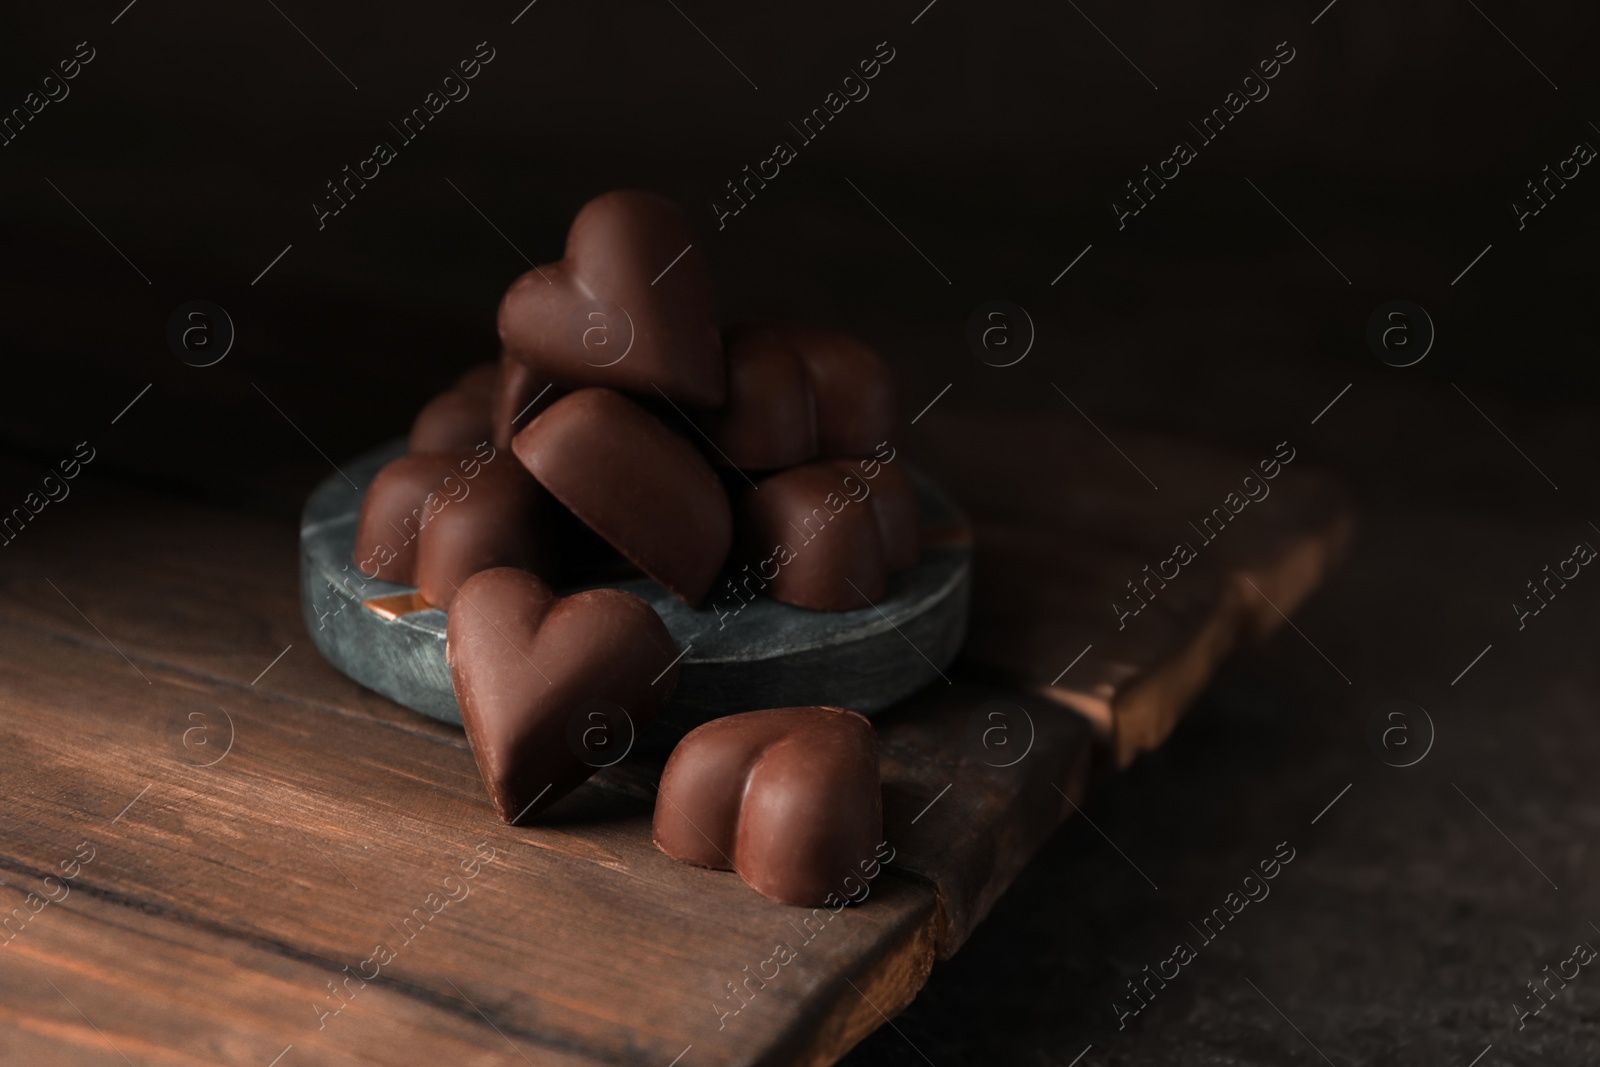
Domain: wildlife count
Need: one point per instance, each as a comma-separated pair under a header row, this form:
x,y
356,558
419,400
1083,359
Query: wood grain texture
x,y
975,778
1072,537
284,823
319,840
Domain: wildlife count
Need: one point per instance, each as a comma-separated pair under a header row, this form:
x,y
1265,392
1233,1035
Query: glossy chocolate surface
x,y
827,535
640,486
552,688
458,419
789,798
770,419
797,393
853,391
629,307
434,519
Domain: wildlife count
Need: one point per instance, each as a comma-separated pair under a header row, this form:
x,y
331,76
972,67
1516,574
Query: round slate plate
x,y
769,655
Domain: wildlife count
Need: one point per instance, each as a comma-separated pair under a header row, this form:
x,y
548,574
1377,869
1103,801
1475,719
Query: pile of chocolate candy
x,y
640,436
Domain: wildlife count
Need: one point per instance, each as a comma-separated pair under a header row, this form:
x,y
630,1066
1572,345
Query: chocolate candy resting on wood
x,y
435,519
519,395
457,420
630,306
788,798
826,536
637,484
552,688
799,392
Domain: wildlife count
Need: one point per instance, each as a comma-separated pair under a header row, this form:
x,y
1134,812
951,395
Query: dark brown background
x,y
198,137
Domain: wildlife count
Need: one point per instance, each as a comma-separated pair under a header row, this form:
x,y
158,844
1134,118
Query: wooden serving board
x,y
260,825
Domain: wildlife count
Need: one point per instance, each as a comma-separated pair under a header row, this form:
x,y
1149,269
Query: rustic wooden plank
x,y
975,778
317,837
1047,597
187,642
90,977
203,590
329,788
190,570
187,639
1077,481
1092,529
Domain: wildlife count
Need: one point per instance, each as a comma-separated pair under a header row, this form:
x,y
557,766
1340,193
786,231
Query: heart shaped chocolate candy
x,y
853,391
630,306
770,419
435,519
552,688
637,484
789,798
796,393
457,420
827,535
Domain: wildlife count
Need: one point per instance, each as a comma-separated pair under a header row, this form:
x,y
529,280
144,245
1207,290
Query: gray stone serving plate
x,y
769,655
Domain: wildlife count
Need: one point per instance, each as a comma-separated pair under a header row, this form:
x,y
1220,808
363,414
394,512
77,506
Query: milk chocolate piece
x,y
796,393
770,419
853,390
552,688
827,535
520,394
630,306
435,519
457,420
637,484
788,798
